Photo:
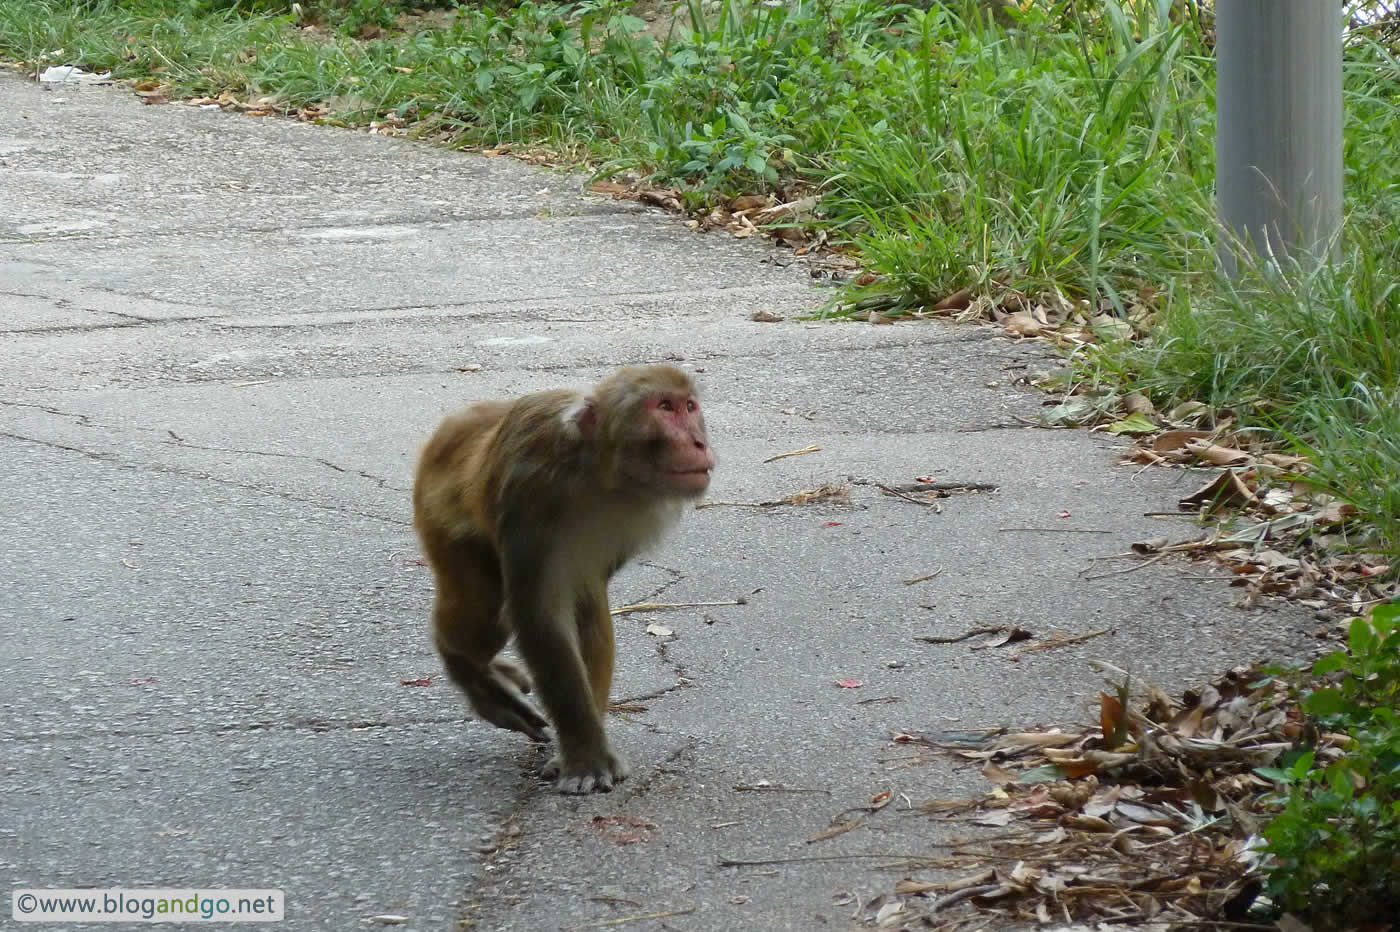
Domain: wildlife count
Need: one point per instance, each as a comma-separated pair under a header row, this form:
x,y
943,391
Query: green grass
x,y
1313,354
1047,170
717,106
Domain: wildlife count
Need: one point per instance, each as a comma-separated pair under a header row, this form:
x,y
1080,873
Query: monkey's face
x,y
679,453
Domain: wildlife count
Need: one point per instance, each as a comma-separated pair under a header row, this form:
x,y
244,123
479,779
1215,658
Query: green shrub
x,y
1335,847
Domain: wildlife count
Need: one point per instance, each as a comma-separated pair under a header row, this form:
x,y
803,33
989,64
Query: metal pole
x,y
1278,152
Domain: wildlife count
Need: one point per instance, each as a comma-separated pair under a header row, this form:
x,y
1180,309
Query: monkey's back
x,y
443,499
476,453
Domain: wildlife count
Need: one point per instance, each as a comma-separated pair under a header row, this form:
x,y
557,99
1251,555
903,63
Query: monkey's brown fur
x,y
525,509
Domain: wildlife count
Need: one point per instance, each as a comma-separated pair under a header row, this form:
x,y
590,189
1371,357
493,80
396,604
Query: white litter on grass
x,y
72,74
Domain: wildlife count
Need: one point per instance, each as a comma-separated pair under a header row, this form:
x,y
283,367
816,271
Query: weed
x,y
1335,845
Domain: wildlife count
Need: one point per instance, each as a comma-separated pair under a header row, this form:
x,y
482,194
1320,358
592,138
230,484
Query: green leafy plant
x,y
1335,846
357,14
730,145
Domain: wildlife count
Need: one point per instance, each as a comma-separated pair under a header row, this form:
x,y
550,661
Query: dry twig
x,y
667,606
812,448
1053,643
954,638
924,578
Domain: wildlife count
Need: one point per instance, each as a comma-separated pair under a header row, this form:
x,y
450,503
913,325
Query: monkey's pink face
x,y
684,458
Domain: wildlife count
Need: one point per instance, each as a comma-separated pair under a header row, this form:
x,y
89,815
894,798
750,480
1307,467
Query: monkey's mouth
x,y
690,477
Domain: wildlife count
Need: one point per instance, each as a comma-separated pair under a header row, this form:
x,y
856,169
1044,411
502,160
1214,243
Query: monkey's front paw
x,y
593,773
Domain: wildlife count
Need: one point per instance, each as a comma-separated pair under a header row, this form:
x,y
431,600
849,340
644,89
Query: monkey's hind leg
x,y
469,632
595,641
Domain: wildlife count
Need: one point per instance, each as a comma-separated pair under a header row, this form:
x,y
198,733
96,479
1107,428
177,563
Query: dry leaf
x,y
907,887
766,317
1189,412
1022,324
1142,457
1110,714
1102,803
748,202
957,301
793,236
1218,455
1120,830
1226,489
797,210
1169,441
835,494
624,829
1108,327
1284,461
1069,757
888,911
1335,513
1138,403
1036,739
1144,815
1135,423
660,197
1087,823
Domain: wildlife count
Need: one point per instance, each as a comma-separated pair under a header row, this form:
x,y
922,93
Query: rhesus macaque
x,y
526,509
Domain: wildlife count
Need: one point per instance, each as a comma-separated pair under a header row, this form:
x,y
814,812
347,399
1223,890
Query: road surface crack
x,y
170,438
112,459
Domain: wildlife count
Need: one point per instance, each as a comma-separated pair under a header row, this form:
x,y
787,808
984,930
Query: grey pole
x,y
1278,138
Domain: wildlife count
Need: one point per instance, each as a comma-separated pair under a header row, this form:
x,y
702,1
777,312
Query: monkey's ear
x,y
581,416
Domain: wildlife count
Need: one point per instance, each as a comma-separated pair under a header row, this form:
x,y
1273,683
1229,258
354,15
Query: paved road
x,y
224,339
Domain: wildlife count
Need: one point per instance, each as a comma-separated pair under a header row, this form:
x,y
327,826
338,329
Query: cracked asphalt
x,y
224,339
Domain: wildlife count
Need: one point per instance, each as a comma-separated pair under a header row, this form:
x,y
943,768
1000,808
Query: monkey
x,y
525,509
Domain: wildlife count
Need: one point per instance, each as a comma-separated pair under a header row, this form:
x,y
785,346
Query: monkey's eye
x,y
665,405
691,406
